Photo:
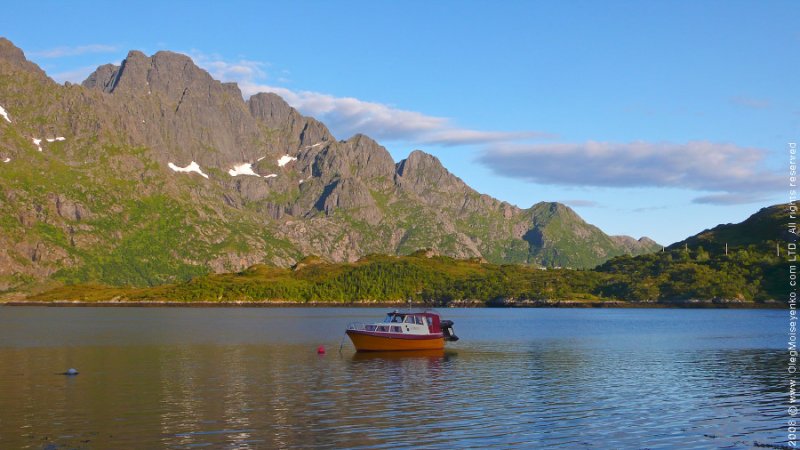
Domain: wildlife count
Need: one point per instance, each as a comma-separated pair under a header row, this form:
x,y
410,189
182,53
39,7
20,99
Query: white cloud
x,y
347,116
64,51
242,71
725,169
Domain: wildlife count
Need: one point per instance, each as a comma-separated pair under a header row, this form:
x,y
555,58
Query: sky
x,y
659,118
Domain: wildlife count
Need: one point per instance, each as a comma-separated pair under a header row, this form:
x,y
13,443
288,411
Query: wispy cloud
x,y
750,102
698,165
347,116
721,173
648,209
243,71
456,136
737,198
581,203
61,52
75,75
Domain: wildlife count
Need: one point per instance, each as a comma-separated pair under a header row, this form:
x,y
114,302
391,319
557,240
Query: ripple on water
x,y
573,379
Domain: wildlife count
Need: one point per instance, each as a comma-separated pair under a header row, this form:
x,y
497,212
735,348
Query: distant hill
x,y
700,267
762,230
153,172
687,275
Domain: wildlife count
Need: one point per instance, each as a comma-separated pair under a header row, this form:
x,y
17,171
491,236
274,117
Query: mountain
x,y
152,171
697,273
728,263
761,230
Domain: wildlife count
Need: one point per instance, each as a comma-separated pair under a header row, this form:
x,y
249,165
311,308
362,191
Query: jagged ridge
x,y
111,209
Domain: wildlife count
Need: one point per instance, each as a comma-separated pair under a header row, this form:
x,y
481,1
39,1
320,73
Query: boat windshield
x,y
393,317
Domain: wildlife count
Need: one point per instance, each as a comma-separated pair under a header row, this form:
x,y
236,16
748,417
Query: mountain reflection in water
x,y
248,378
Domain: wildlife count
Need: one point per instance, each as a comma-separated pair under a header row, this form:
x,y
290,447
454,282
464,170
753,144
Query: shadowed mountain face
x,y
153,171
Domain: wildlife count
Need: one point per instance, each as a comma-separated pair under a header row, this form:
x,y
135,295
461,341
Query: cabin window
x,y
397,319
396,329
388,318
382,328
409,319
429,321
370,328
418,320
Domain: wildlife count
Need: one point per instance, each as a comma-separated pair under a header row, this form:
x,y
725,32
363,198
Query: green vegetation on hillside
x,y
745,275
98,202
675,276
100,206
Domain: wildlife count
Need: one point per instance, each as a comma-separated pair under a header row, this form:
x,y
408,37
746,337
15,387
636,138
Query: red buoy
x,y
321,350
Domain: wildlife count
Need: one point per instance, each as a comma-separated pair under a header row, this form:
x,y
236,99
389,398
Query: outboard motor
x,y
447,331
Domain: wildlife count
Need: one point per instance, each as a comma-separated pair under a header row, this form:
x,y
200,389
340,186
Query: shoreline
x,y
368,304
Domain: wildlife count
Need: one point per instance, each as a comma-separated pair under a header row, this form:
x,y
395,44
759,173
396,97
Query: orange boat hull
x,y
365,342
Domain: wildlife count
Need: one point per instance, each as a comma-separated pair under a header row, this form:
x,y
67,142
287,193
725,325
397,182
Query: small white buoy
x,y
71,372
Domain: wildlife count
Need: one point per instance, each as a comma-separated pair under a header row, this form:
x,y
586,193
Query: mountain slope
x,y
700,267
762,229
152,171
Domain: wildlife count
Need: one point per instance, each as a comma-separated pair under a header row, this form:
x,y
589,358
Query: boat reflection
x,y
437,354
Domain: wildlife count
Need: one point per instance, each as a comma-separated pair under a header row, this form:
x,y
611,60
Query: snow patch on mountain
x,y
192,167
285,159
242,169
4,114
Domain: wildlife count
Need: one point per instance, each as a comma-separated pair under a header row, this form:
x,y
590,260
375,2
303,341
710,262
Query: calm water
x,y
251,378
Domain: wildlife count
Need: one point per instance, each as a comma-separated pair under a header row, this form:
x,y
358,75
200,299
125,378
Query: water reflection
x,y
513,391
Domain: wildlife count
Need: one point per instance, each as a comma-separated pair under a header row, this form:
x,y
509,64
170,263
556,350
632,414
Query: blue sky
x,y
649,118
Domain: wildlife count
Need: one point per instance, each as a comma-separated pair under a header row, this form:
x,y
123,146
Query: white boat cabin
x,y
404,323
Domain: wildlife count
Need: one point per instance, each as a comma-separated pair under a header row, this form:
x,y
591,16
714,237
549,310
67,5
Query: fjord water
x,y
524,378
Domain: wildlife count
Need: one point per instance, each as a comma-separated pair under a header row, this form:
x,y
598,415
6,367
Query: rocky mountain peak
x,y
167,72
12,58
369,158
358,157
550,209
102,78
169,104
647,242
424,176
159,171
304,133
271,108
418,160
420,167
10,52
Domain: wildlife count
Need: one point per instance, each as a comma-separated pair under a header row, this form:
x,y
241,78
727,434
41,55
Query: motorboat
x,y
403,331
